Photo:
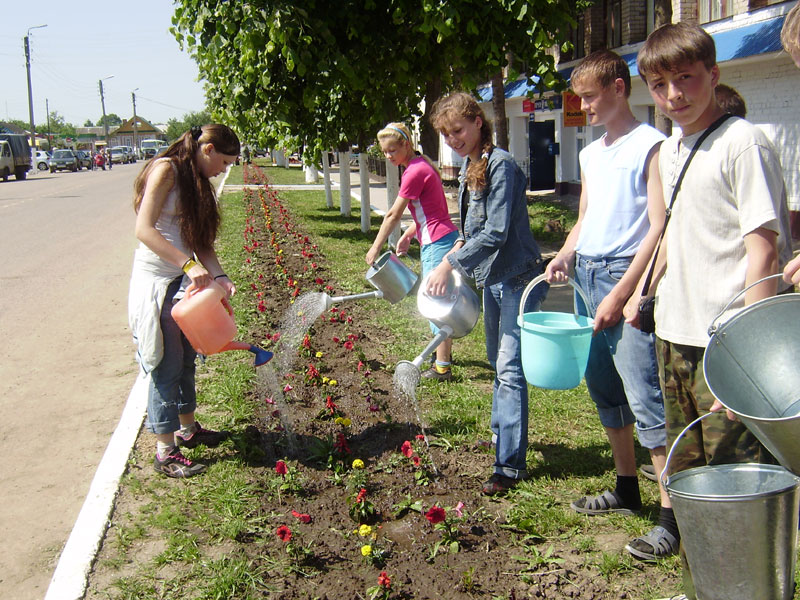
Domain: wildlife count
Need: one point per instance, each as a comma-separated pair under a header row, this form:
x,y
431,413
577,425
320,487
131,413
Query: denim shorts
x,y
432,254
622,374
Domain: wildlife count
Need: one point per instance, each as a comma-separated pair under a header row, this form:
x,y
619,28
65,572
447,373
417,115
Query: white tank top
x,y
616,218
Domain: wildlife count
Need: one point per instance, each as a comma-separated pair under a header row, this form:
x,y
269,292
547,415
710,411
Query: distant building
x,y
121,136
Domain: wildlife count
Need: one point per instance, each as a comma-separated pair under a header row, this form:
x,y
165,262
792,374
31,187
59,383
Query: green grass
x,y
293,175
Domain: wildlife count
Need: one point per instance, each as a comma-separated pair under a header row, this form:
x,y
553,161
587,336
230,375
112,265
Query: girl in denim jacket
x,y
496,248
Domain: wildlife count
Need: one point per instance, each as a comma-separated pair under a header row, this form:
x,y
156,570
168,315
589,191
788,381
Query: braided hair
x,y
198,212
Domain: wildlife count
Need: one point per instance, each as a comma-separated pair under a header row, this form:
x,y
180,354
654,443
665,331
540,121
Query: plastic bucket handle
x,y
536,281
665,480
712,329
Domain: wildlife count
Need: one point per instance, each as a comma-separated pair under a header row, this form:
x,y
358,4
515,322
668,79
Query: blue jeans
x,y
171,384
510,390
431,255
622,373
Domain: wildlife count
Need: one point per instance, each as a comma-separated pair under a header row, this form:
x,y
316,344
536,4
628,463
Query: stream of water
x,y
406,379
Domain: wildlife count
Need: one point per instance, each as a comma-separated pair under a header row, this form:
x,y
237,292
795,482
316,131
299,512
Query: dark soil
x,y
323,484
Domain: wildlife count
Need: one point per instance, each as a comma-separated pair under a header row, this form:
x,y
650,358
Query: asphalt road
x,y
66,356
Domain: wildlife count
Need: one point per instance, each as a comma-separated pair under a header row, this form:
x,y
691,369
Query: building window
x,y
713,10
577,37
614,23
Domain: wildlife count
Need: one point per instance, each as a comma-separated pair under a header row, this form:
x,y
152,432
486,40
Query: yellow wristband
x,y
187,266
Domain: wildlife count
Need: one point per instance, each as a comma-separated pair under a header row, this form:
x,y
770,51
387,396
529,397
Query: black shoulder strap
x,y
711,128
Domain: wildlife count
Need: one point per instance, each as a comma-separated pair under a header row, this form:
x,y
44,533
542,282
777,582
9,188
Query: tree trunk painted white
x,y
326,173
311,173
392,187
344,183
363,174
280,159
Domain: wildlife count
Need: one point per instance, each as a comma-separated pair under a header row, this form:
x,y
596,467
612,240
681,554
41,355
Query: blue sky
x,y
85,42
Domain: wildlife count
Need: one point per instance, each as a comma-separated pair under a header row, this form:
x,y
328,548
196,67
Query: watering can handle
x,y
663,475
537,280
712,329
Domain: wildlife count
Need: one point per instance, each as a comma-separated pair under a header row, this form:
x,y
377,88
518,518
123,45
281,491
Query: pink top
x,y
422,186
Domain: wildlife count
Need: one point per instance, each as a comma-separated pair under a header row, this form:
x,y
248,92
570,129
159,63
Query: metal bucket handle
x,y
712,329
661,476
537,280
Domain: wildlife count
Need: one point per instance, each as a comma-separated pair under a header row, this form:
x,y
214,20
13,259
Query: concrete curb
x,y
71,575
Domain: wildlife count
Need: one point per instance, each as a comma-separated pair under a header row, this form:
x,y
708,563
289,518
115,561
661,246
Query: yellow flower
x,y
364,531
280,251
366,550
319,354
325,380
345,422
338,420
332,382
358,464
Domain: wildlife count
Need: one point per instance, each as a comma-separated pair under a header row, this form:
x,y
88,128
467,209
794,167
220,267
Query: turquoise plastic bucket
x,y
555,346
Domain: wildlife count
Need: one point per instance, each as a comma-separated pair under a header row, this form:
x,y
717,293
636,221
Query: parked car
x,y
118,155
85,158
6,160
65,159
42,160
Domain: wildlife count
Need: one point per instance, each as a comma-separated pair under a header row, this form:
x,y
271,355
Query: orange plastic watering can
x,y
207,322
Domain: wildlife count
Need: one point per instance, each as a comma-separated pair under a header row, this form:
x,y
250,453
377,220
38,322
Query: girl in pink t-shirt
x,y
421,190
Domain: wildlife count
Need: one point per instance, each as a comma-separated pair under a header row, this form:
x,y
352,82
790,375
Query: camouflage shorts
x,y
716,439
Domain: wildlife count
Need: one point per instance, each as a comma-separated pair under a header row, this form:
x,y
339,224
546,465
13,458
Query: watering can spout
x,y
329,301
262,356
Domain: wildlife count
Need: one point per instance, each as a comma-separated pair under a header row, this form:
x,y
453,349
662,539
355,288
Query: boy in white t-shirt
x,y
620,219
728,229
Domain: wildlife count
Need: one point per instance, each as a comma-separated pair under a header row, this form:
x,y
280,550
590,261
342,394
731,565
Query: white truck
x,y
148,148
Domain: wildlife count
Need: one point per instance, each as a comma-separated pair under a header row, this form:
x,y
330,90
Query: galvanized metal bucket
x,y
738,527
751,366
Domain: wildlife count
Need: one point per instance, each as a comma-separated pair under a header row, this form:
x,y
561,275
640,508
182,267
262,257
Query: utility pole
x,y
133,97
30,92
47,108
103,104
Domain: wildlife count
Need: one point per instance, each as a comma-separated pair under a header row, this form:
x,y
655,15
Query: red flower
x,y
302,517
306,342
361,495
435,515
341,444
348,345
329,404
420,437
406,449
284,533
384,581
415,460
280,468
360,365
319,281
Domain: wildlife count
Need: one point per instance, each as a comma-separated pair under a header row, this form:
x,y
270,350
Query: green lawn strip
x,y
293,175
200,521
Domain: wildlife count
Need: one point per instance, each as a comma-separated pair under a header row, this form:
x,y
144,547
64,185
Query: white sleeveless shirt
x,y
616,218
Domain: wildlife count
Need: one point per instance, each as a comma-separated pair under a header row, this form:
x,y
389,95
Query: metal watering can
x,y
390,277
455,314
750,365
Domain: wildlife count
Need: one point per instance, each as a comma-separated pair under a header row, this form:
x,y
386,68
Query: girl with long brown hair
x,y
176,224
497,249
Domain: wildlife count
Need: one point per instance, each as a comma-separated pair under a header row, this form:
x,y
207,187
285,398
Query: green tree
x,y
321,74
112,119
88,123
176,127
